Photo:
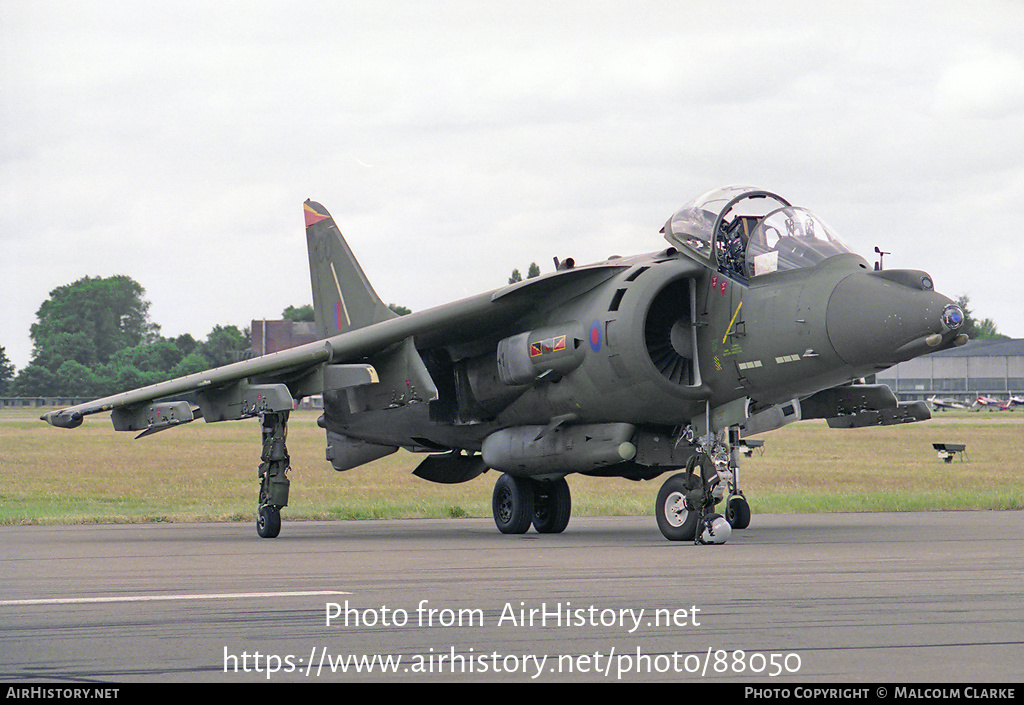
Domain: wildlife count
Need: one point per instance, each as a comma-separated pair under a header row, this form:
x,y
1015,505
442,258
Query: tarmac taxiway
x,y
910,597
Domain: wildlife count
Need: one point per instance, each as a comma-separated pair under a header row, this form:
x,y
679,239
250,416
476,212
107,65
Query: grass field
x,y
207,472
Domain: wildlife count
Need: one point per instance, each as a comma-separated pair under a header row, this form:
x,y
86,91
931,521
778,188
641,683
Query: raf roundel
x,y
595,336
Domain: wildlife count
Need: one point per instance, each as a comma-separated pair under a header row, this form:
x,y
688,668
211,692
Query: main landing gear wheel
x,y
512,504
552,506
676,521
268,522
737,511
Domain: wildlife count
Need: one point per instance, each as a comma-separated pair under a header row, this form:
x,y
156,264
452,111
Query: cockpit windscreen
x,y
747,232
790,238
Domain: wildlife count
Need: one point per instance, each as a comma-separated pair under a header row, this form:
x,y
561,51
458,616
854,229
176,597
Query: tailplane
x,y
343,299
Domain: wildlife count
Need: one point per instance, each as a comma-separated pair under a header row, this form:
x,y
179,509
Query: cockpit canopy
x,y
746,232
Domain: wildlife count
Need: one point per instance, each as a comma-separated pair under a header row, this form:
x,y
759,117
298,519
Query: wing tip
x,y
63,418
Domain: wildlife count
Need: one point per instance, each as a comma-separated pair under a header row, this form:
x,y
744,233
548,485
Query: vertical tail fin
x,y
343,299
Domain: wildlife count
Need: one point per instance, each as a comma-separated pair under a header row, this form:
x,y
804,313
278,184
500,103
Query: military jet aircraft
x,y
755,315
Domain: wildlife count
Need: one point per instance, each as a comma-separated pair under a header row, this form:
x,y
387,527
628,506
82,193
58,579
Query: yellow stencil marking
x,y
740,305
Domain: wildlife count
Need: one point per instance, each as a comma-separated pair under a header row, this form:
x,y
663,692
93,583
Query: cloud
x,y
985,83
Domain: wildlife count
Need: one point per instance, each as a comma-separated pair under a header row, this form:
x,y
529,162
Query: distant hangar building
x,y
274,336
992,368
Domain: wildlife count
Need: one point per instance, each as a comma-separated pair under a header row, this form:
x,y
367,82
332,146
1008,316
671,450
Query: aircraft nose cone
x,y
883,317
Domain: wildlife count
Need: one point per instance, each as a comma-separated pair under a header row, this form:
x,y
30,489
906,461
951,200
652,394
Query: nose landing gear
x,y
685,502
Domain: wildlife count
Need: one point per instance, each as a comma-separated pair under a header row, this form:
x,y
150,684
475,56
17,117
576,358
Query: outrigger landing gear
x,y
273,478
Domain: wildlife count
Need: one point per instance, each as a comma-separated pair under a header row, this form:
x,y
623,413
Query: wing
x,y
363,327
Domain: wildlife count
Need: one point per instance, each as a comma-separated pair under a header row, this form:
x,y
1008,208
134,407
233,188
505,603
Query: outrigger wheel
x,y
268,521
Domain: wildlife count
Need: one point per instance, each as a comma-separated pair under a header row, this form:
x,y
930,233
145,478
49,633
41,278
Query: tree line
x,y
94,337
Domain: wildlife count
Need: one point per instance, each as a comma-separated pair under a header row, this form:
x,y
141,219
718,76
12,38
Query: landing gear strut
x,y
274,482
518,502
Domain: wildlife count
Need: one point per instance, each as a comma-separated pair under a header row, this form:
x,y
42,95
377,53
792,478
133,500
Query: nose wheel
x,y
677,515
737,511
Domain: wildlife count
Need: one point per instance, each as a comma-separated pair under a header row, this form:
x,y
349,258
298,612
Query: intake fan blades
x,y
667,333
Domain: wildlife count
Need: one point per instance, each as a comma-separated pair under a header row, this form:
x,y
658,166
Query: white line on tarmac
x,y
155,598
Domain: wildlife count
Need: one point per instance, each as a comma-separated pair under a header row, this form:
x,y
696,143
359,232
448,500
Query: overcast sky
x,y
452,141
